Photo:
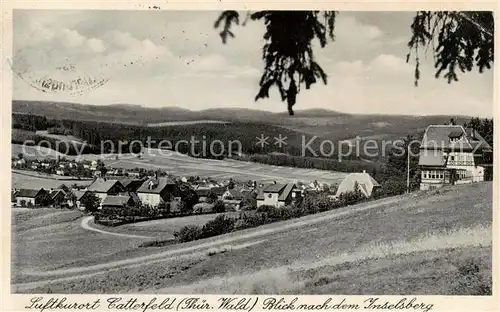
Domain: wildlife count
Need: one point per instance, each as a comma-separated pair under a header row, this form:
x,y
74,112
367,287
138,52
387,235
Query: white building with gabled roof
x,y
451,154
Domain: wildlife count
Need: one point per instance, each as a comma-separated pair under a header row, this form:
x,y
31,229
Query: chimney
x,y
274,182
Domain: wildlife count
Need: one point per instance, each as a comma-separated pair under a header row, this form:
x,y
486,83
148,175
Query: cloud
x,y
160,58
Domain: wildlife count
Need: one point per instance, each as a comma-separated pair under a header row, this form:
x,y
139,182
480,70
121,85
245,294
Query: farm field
x,y
59,137
32,181
415,242
189,122
182,165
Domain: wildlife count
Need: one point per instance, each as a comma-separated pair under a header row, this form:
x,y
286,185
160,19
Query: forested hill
x,y
325,123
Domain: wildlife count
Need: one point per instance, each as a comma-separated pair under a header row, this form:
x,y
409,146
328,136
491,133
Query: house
x,y
202,193
30,197
103,187
118,201
450,154
60,172
131,184
277,194
58,197
157,190
366,184
79,196
20,162
232,194
134,174
218,191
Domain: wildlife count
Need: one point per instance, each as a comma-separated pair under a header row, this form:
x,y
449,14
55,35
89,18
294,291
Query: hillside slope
x,y
419,243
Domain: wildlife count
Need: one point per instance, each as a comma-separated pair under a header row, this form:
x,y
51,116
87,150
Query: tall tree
x,y
459,41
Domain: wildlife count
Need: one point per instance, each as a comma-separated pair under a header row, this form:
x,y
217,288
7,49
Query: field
x,y
182,165
48,238
35,152
32,180
419,243
59,137
183,123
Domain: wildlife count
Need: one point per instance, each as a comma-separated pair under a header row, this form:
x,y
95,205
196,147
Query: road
x,y
85,225
407,224
233,240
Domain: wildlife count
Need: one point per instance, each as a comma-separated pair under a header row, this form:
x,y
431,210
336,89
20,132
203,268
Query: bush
x,y
219,206
266,209
188,233
472,279
218,226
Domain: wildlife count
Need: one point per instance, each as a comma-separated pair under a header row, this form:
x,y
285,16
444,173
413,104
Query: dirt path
x,y
237,239
85,225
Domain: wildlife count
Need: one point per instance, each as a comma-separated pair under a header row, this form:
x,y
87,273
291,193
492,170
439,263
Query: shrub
x,y
188,233
218,226
472,279
219,206
266,209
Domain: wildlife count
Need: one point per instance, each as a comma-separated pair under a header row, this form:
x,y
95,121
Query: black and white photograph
x,y
279,152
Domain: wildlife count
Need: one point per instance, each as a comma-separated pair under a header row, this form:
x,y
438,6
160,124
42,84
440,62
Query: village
x,y
266,152
113,193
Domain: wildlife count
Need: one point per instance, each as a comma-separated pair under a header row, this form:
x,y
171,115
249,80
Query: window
x,y
452,157
270,195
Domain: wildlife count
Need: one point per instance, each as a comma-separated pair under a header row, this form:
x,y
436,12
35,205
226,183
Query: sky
x,y
176,58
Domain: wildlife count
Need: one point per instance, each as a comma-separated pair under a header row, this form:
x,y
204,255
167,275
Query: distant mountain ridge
x,y
321,122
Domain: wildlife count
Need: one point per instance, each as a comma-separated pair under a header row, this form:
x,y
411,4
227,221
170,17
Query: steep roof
x,y
274,188
101,185
127,180
28,193
432,158
55,192
79,194
286,191
116,200
438,137
235,194
158,185
282,189
365,181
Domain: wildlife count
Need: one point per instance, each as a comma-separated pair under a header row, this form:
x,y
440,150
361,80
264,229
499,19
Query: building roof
x,y
282,189
127,180
431,158
116,200
235,194
154,185
28,193
55,192
365,181
438,137
79,194
202,191
274,188
102,185
218,190
286,191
